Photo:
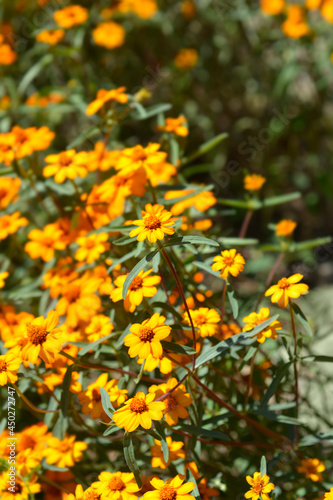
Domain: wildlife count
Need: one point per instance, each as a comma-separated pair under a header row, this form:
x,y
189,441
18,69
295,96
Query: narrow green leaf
x,y
33,72
301,318
237,242
191,479
138,378
233,301
167,307
111,429
144,114
179,349
125,240
164,444
130,458
278,200
93,345
319,359
281,372
304,245
136,269
193,240
204,148
263,466
312,439
106,403
83,137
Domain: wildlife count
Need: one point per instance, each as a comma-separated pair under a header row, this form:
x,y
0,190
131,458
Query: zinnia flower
x,y
3,277
287,288
109,35
91,397
229,262
116,486
201,201
9,365
91,247
66,165
254,319
254,182
171,489
8,190
154,225
186,59
71,16
145,338
285,227
140,410
64,452
312,468
329,495
52,37
175,126
206,320
44,242
272,7
175,402
104,96
175,452
142,285
260,487
9,224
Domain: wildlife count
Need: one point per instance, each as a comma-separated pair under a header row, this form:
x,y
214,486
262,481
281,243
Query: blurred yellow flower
x,y
176,126
109,35
255,319
254,182
329,495
3,277
7,55
8,190
312,468
186,59
285,227
9,224
52,37
229,262
272,7
9,364
64,452
287,288
175,452
66,165
201,201
91,247
295,25
71,16
104,96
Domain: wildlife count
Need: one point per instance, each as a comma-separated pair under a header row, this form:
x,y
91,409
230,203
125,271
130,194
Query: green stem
x,y
249,385
292,317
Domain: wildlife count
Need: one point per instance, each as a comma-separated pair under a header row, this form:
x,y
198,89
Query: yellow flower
x,y
9,224
175,402
186,59
52,37
285,227
140,410
24,489
171,489
229,262
175,452
154,225
287,288
42,340
175,126
254,319
327,10
3,277
273,7
312,468
145,338
116,486
98,328
70,16
8,190
164,364
202,201
80,494
142,285
260,486
104,96
254,182
91,247
206,320
64,453
329,495
91,397
313,4
144,9
66,165
9,364
295,25
109,35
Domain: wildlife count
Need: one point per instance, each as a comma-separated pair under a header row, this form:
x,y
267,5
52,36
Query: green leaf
x,y
143,114
281,372
204,148
61,425
201,432
136,269
191,479
237,242
33,72
301,318
193,240
247,205
304,245
91,347
125,240
263,466
166,307
233,301
319,359
179,349
106,403
312,439
207,268
279,200
83,137
130,458
164,445
111,429
247,357
138,378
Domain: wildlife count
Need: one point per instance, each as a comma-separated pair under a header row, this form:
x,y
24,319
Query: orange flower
x,y
287,288
151,159
3,277
44,242
103,96
175,452
154,225
7,154
175,402
254,319
5,102
201,201
144,9
312,468
109,35
9,364
186,59
90,399
142,285
229,262
100,158
52,37
70,16
64,453
285,227
8,190
7,55
91,247
254,182
175,126
140,410
206,320
327,10
313,4
66,165
273,7
295,25
9,224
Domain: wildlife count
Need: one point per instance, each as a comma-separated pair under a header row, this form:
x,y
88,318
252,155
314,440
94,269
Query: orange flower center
x,y
136,283
91,495
168,493
200,319
4,148
138,405
258,487
27,442
139,155
3,366
36,334
283,283
152,222
146,334
116,484
96,395
228,261
171,403
3,193
18,488
64,160
21,137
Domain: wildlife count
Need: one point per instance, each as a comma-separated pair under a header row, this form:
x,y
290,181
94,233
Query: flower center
x,y
228,261
171,403
168,493
116,484
139,155
64,160
3,366
27,442
200,320
36,334
138,405
152,222
3,193
136,283
146,334
96,395
283,283
258,487
91,495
